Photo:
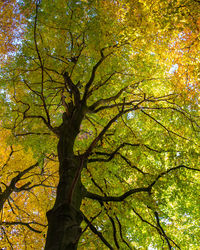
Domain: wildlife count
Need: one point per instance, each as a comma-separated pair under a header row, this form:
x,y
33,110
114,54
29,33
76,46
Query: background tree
x,y
96,79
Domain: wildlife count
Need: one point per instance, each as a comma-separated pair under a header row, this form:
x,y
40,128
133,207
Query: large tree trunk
x,y
64,218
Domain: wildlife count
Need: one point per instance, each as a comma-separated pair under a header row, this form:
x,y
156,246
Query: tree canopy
x,y
100,125
13,15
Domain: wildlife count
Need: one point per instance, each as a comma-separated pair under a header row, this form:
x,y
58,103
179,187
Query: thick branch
x,y
132,191
106,100
9,189
116,198
121,104
72,87
111,155
115,152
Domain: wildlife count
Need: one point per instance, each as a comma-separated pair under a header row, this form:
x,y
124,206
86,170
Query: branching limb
x,y
157,227
95,231
54,130
72,87
26,116
92,77
163,232
106,100
111,155
26,224
147,222
31,89
131,165
92,219
104,130
116,198
115,152
169,170
9,189
168,130
101,84
121,104
133,191
95,183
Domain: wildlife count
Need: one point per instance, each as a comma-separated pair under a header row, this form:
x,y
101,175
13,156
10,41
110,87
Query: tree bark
x,y
64,218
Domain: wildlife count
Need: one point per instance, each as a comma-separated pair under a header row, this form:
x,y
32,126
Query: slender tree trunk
x,y
64,218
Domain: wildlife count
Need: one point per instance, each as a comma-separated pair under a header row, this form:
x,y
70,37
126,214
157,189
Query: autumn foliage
x,y
13,19
99,125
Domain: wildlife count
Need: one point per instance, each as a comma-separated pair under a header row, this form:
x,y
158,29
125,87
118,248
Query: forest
x,y
99,124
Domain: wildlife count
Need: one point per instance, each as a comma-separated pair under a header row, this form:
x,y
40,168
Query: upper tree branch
x,y
92,77
35,36
41,96
168,130
158,227
121,104
95,67
106,100
116,198
135,190
72,87
101,134
114,230
169,170
47,123
41,66
111,155
44,121
101,84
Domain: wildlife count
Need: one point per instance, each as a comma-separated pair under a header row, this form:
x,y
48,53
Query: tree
x,y
93,90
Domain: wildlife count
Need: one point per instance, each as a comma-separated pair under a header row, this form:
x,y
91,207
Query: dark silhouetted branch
x,y
95,231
